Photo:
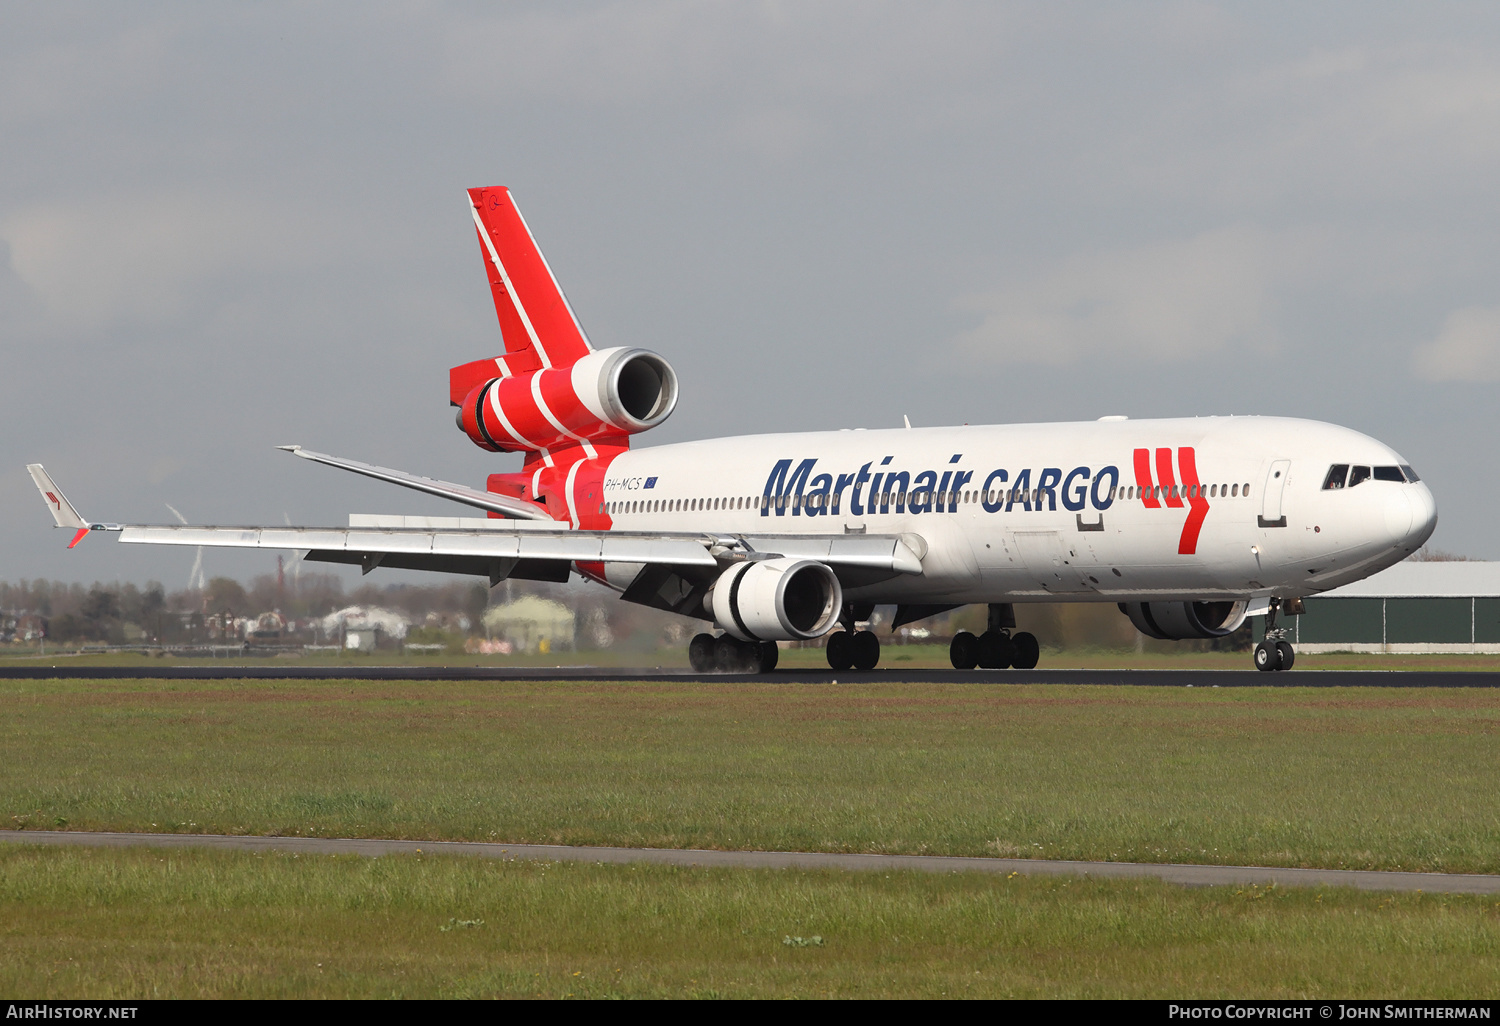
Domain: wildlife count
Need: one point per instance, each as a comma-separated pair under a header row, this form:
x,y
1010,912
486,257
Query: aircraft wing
x,y
497,549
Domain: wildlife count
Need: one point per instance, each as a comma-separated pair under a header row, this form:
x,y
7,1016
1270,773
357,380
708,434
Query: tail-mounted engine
x,y
781,599
1180,621
606,394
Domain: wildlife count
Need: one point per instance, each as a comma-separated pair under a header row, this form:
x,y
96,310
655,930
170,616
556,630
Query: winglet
x,y
63,511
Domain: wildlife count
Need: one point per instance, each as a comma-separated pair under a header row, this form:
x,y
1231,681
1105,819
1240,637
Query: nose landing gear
x,y
1274,652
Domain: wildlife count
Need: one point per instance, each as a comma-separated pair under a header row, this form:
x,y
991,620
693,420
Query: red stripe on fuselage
x,y
1143,485
1168,478
1188,461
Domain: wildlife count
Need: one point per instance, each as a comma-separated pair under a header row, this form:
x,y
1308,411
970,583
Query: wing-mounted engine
x,y
1180,621
605,395
782,599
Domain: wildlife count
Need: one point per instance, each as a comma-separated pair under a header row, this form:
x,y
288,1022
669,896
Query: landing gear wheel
x,y
996,650
1268,656
767,653
840,650
866,650
963,651
1288,655
1026,652
701,653
730,654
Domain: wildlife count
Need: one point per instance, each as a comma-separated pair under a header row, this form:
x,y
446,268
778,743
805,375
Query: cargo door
x,y
1271,514
1050,562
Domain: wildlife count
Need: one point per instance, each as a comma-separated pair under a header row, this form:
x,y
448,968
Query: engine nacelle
x,y
610,392
782,599
1180,621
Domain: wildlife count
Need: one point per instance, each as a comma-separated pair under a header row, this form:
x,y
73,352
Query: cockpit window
x,y
1336,475
1389,474
1411,475
1358,475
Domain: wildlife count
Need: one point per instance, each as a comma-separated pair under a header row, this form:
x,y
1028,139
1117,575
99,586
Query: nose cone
x,y
1411,516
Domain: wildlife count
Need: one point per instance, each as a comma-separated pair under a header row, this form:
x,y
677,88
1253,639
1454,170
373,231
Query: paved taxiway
x,y
1146,678
1190,875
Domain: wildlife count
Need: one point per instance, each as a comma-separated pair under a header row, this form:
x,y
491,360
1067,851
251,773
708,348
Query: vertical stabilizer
x,y
536,321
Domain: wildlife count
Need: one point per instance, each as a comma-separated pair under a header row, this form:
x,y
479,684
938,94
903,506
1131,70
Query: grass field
x,y
1372,779
143,924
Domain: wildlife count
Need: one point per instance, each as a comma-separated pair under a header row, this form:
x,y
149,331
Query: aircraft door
x,y
1271,514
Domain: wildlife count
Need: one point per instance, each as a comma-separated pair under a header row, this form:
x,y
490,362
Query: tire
x,y
996,650
1287,653
866,650
963,651
729,654
840,650
701,653
1267,657
1027,651
766,654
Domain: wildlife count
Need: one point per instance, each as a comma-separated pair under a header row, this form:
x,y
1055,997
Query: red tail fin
x,y
535,318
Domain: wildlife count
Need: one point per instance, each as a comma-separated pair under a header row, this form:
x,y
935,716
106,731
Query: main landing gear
x,y
849,649
1275,652
728,654
998,647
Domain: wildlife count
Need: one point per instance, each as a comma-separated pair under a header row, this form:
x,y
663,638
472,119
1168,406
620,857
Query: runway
x,y
1111,677
1177,873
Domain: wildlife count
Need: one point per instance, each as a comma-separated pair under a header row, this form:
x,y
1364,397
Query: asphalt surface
x,y
1189,875
1145,678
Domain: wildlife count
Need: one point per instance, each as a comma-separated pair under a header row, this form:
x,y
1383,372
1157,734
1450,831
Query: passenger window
x,y
1358,475
1236,491
1245,490
1389,474
1411,475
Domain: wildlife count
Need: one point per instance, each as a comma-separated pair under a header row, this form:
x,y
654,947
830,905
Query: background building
x,y
532,624
1412,608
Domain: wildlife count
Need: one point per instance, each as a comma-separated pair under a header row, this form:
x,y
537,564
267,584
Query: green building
x,y
1412,608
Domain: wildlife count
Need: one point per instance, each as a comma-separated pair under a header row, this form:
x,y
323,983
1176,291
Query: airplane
x,y
1189,525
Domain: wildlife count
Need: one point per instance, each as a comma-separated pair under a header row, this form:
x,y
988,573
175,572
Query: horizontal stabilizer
x,y
505,505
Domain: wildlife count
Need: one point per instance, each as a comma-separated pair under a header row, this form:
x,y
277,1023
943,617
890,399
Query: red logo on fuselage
x,y
1167,491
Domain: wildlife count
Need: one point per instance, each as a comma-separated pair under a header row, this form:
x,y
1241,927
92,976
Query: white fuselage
x,y
1049,512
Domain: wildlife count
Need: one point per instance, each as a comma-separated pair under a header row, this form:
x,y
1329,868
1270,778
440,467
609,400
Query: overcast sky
x,y
224,228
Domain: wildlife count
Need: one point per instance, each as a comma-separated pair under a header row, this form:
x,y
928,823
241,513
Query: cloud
x,y
1467,349
1167,300
98,261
